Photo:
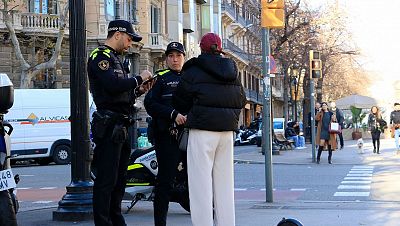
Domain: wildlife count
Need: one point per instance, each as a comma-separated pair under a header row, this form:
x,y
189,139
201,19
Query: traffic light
x,y
273,13
315,64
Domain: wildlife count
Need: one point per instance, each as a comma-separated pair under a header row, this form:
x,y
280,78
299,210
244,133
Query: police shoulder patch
x,y
104,65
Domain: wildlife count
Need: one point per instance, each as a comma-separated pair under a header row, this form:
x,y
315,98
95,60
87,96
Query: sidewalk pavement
x,y
259,213
348,155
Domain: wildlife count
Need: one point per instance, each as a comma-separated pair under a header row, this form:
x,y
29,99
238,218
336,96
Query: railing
x,y
40,22
156,40
253,96
228,45
228,8
231,10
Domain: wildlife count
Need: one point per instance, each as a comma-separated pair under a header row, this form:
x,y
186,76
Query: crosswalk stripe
x,y
42,202
355,182
23,188
361,171
358,178
298,189
359,174
48,188
240,189
366,187
349,194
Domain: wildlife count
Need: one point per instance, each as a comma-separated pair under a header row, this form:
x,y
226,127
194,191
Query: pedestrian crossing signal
x,y
315,64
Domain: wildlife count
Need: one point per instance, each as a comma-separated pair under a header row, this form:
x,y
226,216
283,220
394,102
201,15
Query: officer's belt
x,y
116,117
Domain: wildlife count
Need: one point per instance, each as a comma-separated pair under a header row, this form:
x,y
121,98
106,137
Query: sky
x,y
375,25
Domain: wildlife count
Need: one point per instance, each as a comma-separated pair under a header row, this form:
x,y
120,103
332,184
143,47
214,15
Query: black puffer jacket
x,y
211,94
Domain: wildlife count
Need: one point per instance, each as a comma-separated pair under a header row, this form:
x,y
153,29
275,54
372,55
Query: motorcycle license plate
x,y
7,180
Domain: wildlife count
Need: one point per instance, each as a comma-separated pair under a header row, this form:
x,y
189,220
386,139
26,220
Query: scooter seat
x,y
140,152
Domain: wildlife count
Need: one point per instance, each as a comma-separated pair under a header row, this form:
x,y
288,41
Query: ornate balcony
x,y
34,23
229,14
234,50
253,96
157,44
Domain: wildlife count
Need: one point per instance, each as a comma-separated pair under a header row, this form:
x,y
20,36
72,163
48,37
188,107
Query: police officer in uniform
x,y
114,94
158,105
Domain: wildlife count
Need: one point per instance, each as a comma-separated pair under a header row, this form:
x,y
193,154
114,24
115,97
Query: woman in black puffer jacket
x,y
211,94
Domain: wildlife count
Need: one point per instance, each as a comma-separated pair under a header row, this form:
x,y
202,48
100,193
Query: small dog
x,y
360,145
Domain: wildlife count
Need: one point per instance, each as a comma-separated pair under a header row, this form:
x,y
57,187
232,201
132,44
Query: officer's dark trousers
x,y
111,161
168,157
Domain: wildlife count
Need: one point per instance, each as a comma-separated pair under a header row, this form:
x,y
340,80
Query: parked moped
x,y
8,199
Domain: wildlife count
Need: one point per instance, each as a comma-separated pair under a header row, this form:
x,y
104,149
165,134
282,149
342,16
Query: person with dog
x,y
158,104
340,119
395,124
114,93
324,138
376,125
211,94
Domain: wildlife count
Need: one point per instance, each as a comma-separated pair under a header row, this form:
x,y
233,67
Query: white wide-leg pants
x,y
210,172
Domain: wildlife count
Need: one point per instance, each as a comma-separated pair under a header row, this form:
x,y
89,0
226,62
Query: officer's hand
x,y
180,119
146,86
146,75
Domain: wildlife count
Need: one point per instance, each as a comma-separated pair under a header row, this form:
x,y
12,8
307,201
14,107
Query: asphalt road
x,y
43,186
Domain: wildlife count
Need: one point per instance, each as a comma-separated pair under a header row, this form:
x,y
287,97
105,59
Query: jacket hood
x,y
221,68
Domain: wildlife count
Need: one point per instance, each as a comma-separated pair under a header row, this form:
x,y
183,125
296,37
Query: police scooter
x,y
8,200
141,177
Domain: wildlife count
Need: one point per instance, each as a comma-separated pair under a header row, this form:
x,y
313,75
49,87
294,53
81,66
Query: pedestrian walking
x,y
340,119
376,125
395,125
325,139
211,93
114,94
158,104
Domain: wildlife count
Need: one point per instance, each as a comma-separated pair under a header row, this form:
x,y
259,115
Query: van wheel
x,y
62,154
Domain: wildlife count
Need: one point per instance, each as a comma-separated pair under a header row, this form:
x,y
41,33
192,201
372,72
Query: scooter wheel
x,y
7,216
289,222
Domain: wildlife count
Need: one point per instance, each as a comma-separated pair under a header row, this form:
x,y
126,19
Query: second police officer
x,y
158,105
114,94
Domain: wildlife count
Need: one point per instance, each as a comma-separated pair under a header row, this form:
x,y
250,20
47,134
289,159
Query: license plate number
x,y
7,180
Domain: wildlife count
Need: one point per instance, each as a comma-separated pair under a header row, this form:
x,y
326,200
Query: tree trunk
x,y
285,97
320,82
306,106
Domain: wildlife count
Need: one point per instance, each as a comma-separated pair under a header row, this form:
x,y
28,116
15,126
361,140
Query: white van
x,y
42,130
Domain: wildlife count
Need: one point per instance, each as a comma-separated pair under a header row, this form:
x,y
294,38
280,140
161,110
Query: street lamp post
x,y
76,204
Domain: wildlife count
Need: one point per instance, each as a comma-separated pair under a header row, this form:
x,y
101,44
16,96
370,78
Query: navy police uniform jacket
x,y
110,85
158,101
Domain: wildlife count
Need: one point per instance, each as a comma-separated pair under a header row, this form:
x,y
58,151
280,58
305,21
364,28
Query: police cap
x,y
175,46
124,26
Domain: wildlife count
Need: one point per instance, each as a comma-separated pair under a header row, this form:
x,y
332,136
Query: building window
x,y
155,19
245,79
249,81
43,6
131,7
110,9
